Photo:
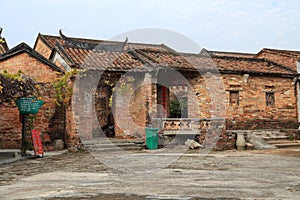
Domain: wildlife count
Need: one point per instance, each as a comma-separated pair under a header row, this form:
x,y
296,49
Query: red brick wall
x,y
252,112
131,106
50,118
42,48
10,128
138,108
30,66
72,139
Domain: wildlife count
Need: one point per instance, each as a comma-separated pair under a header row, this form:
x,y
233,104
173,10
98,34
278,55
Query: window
x,y
234,98
270,99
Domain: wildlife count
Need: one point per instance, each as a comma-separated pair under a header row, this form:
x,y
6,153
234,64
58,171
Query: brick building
x,y
50,118
287,58
133,85
257,92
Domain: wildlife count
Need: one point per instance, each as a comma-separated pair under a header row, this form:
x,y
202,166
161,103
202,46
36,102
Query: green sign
x,y
29,105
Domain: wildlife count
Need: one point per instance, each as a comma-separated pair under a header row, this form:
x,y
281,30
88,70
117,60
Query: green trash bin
x,y
152,138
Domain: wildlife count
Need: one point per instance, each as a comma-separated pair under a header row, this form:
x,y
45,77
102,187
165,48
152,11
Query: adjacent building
x,y
51,118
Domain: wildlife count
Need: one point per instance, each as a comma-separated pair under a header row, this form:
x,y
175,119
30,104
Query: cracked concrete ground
x,y
268,174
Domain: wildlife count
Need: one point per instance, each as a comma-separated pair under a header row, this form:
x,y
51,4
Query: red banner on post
x,y
37,143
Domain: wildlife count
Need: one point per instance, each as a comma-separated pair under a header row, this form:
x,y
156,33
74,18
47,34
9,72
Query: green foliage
x,y
291,137
175,109
63,87
16,85
178,108
125,84
17,76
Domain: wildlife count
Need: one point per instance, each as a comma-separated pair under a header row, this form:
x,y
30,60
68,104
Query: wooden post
x,y
23,145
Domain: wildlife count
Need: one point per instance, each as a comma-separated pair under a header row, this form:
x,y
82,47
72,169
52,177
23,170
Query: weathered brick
x,y
50,118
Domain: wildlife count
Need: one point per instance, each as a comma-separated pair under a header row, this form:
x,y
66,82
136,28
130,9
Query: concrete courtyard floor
x,y
264,174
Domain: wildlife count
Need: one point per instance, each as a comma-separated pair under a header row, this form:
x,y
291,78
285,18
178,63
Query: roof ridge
x,y
107,40
280,51
19,46
237,58
231,52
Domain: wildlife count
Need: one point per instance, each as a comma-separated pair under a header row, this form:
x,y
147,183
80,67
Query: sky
x,y
222,25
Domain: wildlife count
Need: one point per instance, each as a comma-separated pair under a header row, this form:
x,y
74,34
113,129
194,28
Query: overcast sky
x,y
229,25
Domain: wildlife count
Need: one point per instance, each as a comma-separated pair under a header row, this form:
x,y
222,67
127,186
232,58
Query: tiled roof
x,y
149,59
222,63
164,58
91,43
246,65
103,59
23,47
229,54
124,56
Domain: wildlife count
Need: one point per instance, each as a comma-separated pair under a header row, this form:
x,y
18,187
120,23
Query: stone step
x,y
275,137
269,134
112,144
259,143
287,145
281,141
111,149
111,140
284,143
107,145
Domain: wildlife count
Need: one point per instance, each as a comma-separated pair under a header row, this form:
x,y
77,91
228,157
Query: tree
x,y
14,86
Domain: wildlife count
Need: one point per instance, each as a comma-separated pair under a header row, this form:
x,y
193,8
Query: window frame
x,y
270,99
237,98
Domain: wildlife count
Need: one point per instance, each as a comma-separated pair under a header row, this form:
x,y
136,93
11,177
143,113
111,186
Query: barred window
x,y
270,99
234,98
